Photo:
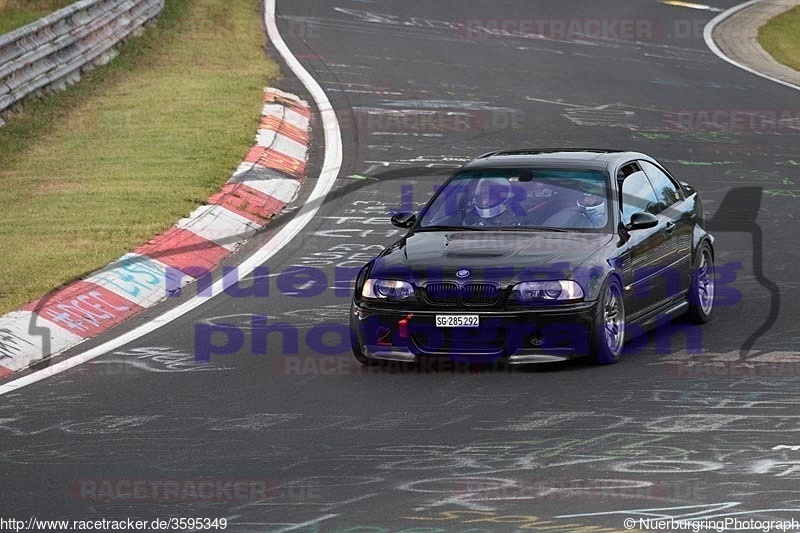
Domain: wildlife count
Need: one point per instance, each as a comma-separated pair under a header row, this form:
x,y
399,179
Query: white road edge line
x,y
330,170
306,524
690,5
708,32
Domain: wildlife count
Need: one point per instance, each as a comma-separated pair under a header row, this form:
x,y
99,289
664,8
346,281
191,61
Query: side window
x,y
666,190
627,169
637,195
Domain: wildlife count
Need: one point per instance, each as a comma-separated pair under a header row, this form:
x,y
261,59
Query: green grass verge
x,y
88,174
781,37
17,13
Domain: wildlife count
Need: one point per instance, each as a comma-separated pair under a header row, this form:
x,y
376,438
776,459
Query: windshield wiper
x,y
522,228
550,228
451,228
495,228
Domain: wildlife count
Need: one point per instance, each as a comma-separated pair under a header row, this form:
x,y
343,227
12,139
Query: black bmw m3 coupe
x,y
535,256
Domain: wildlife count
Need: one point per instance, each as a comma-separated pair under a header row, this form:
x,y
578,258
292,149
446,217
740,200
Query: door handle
x,y
670,227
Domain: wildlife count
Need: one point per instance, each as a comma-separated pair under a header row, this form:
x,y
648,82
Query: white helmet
x,y
593,203
492,196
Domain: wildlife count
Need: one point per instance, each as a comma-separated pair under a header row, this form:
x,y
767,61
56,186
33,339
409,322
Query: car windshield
x,y
521,198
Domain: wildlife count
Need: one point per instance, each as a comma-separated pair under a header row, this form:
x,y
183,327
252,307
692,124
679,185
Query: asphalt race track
x,y
704,425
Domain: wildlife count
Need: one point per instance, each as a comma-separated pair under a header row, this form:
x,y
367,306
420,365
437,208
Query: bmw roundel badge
x,y
463,273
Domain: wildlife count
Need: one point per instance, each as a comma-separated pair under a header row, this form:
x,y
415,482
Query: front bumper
x,y
527,335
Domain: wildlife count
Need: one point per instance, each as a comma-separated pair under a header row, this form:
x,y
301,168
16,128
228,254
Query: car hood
x,y
450,251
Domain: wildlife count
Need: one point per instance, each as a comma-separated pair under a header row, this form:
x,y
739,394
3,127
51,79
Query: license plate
x,y
457,321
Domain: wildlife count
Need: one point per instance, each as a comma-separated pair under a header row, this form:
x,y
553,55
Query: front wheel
x,y
701,291
609,337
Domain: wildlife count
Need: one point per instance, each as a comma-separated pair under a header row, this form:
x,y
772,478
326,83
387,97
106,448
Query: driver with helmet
x,y
593,204
589,211
491,204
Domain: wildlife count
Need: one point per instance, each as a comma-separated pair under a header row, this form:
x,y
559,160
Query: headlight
x,y
548,291
387,289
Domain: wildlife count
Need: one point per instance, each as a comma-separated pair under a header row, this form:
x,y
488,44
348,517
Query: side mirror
x,y
404,220
642,220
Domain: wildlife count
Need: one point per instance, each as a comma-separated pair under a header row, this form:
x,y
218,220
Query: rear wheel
x,y
701,291
609,337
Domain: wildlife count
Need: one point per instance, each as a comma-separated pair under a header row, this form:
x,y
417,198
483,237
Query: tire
x,y
609,325
701,289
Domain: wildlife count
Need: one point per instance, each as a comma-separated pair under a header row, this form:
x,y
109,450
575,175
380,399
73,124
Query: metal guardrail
x,y
53,51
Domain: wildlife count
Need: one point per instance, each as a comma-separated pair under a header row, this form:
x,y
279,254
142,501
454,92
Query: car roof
x,y
557,157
